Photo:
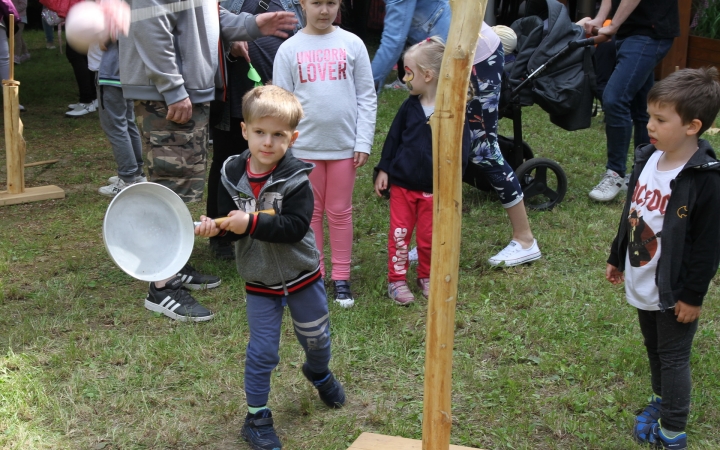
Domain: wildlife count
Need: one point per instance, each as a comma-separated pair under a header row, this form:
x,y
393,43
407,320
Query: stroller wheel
x,y
543,182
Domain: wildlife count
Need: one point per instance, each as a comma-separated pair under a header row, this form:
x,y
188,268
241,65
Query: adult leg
x,y
49,38
637,57
84,77
264,320
4,54
340,181
113,111
175,154
318,180
225,144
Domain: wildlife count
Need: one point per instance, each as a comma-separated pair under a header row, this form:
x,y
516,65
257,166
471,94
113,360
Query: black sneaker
x,y
343,294
259,432
192,279
176,303
330,390
223,250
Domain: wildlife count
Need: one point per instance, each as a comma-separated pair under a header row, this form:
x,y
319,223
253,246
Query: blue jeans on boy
x,y
309,312
625,96
407,21
668,344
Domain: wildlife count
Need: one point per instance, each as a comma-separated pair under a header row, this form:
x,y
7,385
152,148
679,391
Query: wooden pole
x,y
447,124
15,143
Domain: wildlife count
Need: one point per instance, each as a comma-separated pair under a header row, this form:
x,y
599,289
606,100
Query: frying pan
x,y
149,232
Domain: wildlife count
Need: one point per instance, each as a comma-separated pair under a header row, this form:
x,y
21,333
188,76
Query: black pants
x,y
85,77
668,343
225,144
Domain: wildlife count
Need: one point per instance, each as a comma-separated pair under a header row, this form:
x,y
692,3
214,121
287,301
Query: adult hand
x,y
686,313
273,24
381,182
239,49
588,24
609,30
180,112
613,275
237,222
360,159
117,17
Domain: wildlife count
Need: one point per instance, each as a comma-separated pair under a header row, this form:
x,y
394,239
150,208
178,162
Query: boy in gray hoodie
x,y
267,197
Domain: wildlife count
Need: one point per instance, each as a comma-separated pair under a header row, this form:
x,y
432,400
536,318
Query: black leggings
x,y
85,77
225,144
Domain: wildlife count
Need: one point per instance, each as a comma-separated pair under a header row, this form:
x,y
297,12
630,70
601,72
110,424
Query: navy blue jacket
x,y
407,153
690,232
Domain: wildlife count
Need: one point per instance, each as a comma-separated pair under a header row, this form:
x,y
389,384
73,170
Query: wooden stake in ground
x,y
447,124
15,143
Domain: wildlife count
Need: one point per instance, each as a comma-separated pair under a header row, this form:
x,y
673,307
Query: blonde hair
x,y
272,101
428,54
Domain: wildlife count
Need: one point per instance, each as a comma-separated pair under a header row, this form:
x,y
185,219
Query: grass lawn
x,y
547,355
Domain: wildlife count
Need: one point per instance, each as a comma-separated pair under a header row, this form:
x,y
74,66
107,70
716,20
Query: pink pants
x,y
408,210
332,184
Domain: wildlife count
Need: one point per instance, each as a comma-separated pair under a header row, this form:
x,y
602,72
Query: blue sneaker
x,y
259,432
659,440
330,390
645,419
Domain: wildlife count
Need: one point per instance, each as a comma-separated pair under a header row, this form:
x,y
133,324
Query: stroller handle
x,y
596,39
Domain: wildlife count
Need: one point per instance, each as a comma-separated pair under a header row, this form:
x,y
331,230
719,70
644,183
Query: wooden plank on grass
x,y
32,194
372,441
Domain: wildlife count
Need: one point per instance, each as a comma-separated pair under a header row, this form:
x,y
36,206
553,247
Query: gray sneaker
x,y
626,182
609,187
82,109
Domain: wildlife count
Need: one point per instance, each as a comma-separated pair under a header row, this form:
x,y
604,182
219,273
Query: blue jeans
x,y
669,344
49,37
625,96
309,312
407,21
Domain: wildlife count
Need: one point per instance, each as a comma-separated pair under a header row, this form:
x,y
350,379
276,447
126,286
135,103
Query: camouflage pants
x,y
175,155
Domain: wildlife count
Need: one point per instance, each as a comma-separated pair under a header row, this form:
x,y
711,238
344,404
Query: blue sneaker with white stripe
x,y
176,303
192,279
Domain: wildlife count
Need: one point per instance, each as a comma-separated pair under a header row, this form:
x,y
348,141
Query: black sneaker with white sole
x,y
192,279
176,303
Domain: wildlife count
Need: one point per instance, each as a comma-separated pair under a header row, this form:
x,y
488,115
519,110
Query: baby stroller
x,y
553,68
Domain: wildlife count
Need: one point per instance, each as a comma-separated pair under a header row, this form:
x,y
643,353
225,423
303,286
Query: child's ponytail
x,y
428,55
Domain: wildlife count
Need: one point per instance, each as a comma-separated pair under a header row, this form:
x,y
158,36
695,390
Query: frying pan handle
x,y
220,220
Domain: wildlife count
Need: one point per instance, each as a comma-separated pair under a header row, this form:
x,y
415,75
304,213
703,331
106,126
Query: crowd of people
x,y
291,99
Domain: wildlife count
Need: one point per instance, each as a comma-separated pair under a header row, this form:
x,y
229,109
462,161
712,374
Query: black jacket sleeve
x,y
704,239
292,223
393,139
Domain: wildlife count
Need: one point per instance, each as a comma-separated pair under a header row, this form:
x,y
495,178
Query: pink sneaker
x,y
424,284
400,293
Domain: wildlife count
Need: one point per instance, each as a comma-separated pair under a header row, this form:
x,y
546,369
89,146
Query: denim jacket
x,y
407,21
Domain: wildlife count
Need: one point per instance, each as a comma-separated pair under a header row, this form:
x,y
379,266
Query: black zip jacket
x,y
407,153
691,228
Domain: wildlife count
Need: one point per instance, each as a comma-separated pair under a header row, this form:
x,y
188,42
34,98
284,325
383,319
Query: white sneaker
x,y
413,255
626,182
514,254
397,85
138,179
80,105
114,189
609,187
82,109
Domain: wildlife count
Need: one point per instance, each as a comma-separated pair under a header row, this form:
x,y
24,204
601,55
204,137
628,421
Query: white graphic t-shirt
x,y
647,211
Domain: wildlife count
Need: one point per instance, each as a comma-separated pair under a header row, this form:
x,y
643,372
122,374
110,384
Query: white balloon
x,y
85,25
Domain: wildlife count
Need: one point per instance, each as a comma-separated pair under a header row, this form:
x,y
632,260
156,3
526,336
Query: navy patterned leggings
x,y
482,113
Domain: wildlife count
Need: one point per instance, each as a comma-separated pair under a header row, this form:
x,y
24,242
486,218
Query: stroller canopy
x,y
564,88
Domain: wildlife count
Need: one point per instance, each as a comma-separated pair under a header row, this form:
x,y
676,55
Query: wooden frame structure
x,y
15,143
447,124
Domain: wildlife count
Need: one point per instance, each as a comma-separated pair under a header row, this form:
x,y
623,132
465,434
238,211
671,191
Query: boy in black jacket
x,y
675,197
275,253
